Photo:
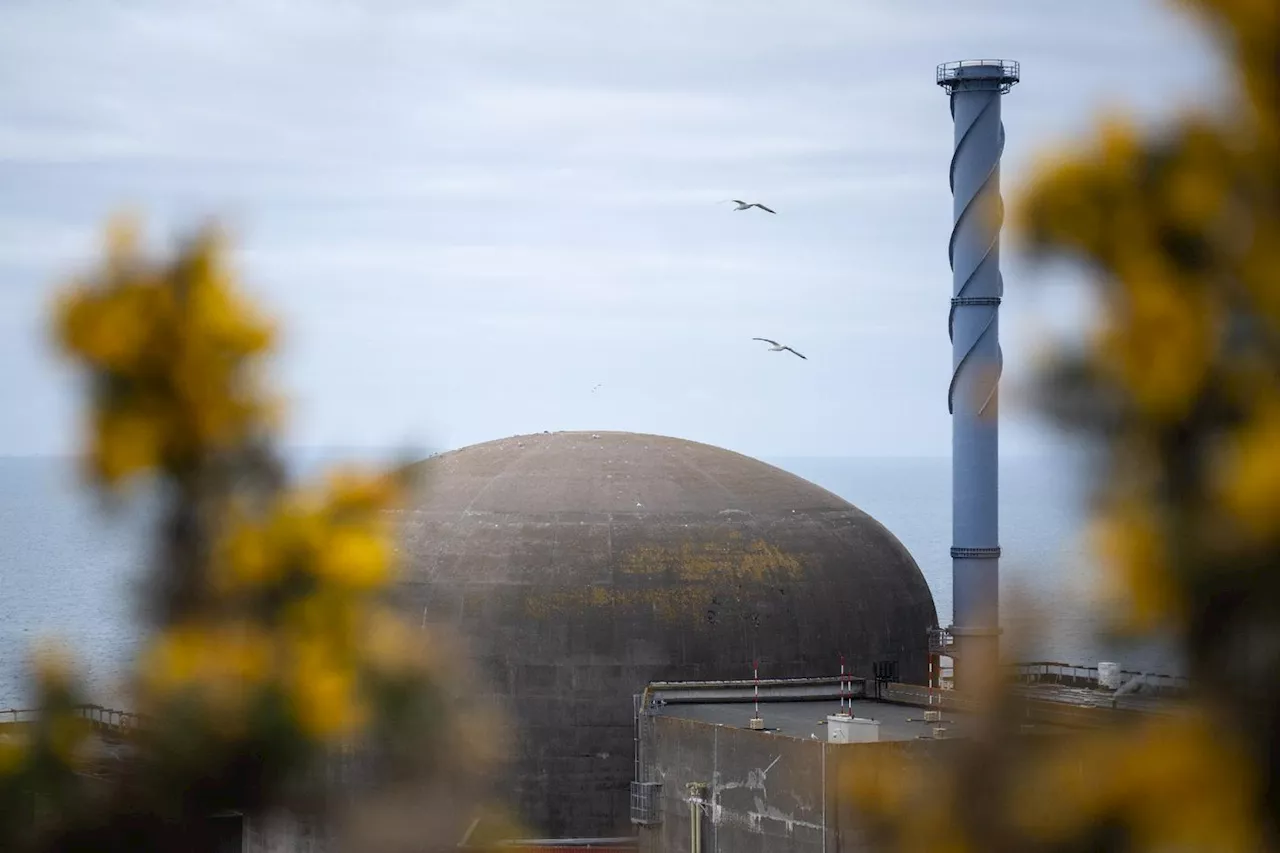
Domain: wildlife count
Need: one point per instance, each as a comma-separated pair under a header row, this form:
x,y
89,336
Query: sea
x,y
70,565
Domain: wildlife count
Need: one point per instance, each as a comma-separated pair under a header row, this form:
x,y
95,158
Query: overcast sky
x,y
468,214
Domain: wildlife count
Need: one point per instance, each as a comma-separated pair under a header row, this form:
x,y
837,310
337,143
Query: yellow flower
x,y
1118,148
325,699
296,523
1135,566
390,646
13,753
355,556
1177,783
1186,784
173,338
1195,191
329,617
125,441
1060,209
1066,788
1159,343
883,784
188,653
109,329
352,491
173,660
220,665
246,560
243,664
1250,473
1260,269
67,732
226,322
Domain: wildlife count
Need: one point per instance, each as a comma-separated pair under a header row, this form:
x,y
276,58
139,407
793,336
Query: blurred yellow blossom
x,y
1257,269
67,732
351,490
114,329
883,784
1061,209
206,655
355,556
1197,186
324,693
245,558
1160,338
327,612
173,344
272,643
389,645
1135,566
337,534
1183,760
1250,471
13,752
125,441
1119,147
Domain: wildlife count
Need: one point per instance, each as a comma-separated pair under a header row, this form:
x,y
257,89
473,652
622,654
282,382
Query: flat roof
x,y
1093,697
807,720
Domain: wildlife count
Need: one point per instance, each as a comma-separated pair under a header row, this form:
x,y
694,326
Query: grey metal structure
x,y
975,88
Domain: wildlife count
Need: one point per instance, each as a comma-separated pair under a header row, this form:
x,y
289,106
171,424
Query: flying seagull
x,y
598,384
742,205
777,347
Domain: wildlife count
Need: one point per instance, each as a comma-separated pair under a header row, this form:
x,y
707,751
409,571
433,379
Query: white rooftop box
x,y
843,728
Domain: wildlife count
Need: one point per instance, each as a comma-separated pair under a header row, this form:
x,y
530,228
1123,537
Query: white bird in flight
x,y
777,347
742,205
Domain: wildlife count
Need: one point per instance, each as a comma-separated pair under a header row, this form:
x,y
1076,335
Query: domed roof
x,y
614,472
584,565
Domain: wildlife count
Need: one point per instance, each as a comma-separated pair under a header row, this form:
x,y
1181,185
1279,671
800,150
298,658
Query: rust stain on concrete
x,y
680,582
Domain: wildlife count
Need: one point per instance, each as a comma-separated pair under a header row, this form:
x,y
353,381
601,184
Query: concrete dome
x,y
582,566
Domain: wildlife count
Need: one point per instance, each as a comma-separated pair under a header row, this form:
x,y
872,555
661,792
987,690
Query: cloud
x,y
487,201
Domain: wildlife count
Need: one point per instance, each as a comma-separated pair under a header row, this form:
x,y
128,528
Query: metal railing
x,y
662,693
1010,72
101,716
941,642
568,845
1073,675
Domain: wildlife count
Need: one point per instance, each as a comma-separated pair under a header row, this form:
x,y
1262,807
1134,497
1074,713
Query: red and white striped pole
x,y
841,683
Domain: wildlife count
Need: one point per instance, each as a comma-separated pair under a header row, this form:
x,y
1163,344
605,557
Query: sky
x,y
467,215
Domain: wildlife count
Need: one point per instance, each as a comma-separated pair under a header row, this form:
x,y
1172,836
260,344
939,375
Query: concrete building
x,y
734,765
723,773
582,566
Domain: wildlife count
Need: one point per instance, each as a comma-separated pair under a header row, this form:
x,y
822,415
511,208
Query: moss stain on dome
x,y
705,571
669,605
758,561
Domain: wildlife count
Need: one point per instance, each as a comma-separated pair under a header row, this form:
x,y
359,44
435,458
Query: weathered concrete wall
x,y
583,566
764,793
282,832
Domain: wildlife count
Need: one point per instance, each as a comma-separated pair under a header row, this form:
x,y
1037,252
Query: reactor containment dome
x,y
581,566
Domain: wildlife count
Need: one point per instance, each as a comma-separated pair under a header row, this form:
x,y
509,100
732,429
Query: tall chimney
x,y
975,88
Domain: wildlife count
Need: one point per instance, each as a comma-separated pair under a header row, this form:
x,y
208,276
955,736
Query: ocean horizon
x,y
69,565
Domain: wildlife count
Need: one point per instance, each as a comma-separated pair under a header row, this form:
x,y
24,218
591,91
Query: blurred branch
x,y
277,677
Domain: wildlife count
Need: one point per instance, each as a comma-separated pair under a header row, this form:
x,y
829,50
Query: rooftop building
x,y
766,766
